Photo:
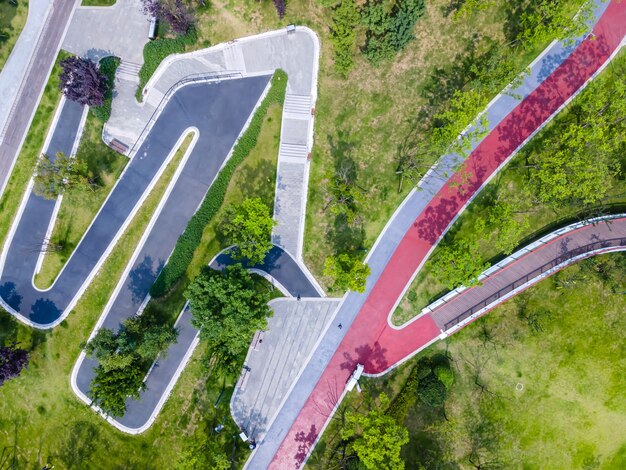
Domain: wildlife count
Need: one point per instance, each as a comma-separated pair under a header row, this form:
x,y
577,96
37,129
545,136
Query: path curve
x,y
407,241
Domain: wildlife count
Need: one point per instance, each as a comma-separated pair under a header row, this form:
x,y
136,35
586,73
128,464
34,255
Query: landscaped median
x,y
190,239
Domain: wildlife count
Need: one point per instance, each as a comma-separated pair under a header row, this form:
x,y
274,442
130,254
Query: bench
x,y
118,146
153,28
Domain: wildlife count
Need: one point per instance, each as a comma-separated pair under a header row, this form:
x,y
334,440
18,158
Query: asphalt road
x,y
219,111
28,98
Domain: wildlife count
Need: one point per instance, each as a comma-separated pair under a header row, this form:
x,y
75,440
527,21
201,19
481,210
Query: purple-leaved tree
x,y
81,81
281,8
177,13
12,361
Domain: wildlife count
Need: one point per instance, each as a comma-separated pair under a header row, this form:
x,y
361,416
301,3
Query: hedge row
x,y
155,51
108,66
405,400
191,237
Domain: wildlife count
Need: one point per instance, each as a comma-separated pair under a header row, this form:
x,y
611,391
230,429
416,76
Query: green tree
x,y
510,229
459,264
343,33
53,176
347,271
445,375
378,439
544,20
124,358
249,227
227,308
345,196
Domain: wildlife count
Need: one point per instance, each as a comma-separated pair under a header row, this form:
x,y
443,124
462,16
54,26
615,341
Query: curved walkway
x,y
413,233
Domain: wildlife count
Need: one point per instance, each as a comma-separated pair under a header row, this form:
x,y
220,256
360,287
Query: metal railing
x,y
603,244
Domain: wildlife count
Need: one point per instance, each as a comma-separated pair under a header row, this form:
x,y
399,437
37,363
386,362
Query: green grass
x,y
53,425
31,150
571,412
542,218
98,3
80,206
12,21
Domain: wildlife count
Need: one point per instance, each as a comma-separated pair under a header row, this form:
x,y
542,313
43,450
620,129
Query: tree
x,y
81,81
432,391
12,361
249,226
347,271
378,439
510,229
281,8
227,308
343,33
459,264
53,176
345,196
123,359
176,13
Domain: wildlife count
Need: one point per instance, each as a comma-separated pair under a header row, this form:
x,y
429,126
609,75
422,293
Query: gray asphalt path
x,y
281,266
20,117
219,111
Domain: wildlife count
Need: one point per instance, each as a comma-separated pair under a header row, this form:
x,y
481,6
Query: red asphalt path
x,y
371,340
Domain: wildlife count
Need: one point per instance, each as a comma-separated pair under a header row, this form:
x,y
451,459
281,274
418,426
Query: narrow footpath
x,y
371,340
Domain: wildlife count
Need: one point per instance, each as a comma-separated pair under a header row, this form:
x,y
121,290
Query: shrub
x,y
108,67
405,400
445,375
432,391
190,239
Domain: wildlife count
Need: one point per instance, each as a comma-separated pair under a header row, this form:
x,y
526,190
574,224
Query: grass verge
x,y
31,149
12,20
98,3
524,398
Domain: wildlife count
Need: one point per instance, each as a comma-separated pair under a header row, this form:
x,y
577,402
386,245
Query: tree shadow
x,y
9,294
44,311
142,277
77,450
8,329
305,441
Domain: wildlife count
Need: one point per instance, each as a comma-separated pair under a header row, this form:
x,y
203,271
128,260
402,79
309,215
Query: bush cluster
x,y
190,239
108,66
155,51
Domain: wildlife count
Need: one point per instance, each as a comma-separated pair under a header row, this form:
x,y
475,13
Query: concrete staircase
x,y
128,71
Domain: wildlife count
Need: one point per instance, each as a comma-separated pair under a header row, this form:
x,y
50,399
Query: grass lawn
x,y
12,20
98,3
541,218
570,411
53,425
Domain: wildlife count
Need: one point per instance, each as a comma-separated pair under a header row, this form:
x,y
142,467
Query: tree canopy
x,y
459,264
123,359
12,361
227,308
54,175
378,439
81,81
249,227
347,271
